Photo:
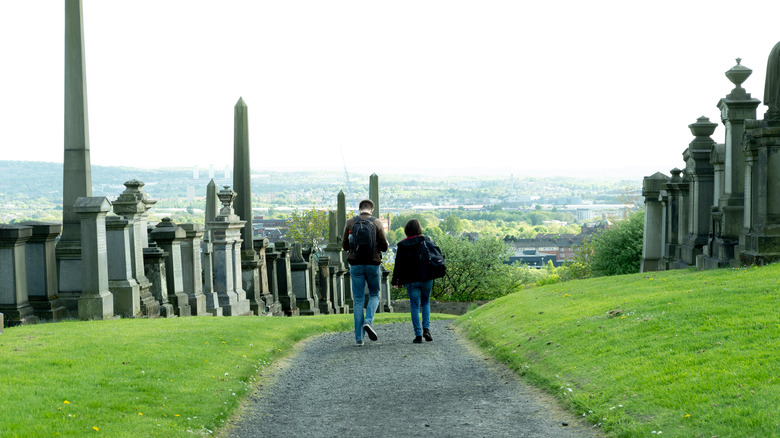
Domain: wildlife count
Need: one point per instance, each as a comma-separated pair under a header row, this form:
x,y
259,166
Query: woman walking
x,y
409,272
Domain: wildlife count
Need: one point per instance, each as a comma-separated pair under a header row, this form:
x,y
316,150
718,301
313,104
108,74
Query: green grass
x,y
135,377
685,353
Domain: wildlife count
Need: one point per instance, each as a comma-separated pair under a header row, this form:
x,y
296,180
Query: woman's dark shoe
x,y
417,340
427,335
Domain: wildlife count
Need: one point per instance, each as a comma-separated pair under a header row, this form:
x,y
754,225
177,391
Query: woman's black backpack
x,y
432,263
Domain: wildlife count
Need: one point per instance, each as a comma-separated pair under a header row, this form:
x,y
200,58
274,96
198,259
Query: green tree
x,y
309,227
475,270
452,225
618,250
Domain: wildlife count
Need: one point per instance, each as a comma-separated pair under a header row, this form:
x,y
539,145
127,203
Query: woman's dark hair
x,y
413,228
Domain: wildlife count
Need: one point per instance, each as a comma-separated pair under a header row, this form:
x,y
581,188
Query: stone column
x,y
386,301
226,238
154,271
207,260
42,288
126,291
337,289
373,192
762,242
264,294
95,301
735,108
271,257
338,259
323,285
341,216
700,171
310,257
77,177
14,302
300,277
284,279
652,242
133,204
168,237
192,271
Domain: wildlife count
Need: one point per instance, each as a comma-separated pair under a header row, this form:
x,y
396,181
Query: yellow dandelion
x,y
66,402
95,428
687,415
177,415
140,413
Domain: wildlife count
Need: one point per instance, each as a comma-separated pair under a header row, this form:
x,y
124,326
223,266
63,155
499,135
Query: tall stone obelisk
x,y
242,184
373,192
77,178
242,179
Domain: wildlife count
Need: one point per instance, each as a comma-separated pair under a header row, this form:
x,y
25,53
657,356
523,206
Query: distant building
x,y
533,259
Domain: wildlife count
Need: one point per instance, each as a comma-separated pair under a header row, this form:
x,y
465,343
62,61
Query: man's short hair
x,y
365,205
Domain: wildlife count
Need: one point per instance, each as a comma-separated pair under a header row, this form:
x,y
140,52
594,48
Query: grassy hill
x,y
682,353
685,353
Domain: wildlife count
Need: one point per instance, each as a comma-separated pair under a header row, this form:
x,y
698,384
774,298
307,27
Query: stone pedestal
x,y
300,277
323,286
168,237
133,205
126,291
252,284
272,304
42,288
284,279
271,256
762,240
385,300
192,272
154,270
13,271
701,173
207,259
226,238
95,301
653,243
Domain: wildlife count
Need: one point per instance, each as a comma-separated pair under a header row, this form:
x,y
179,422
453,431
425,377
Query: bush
x,y
475,270
618,250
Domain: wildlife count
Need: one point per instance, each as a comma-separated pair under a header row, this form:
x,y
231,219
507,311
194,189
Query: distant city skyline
x,y
596,89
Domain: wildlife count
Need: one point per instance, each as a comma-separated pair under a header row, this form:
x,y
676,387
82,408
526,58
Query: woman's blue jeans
x,y
364,276
420,301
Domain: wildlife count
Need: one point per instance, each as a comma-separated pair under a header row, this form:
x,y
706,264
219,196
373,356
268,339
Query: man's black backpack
x,y
362,241
431,260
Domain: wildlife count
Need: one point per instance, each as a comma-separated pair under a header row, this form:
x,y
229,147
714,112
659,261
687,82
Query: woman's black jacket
x,y
408,268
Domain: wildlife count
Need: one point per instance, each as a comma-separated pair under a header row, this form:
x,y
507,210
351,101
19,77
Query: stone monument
x,y
95,300
121,283
13,270
42,288
168,236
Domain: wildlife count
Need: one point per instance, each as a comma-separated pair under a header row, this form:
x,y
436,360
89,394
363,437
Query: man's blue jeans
x,y
362,276
420,299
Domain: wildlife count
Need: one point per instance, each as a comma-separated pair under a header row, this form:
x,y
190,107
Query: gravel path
x,y
392,387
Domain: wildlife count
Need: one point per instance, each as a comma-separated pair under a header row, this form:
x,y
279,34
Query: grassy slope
x,y
163,377
685,353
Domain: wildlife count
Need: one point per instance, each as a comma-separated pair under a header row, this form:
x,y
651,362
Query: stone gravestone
x,y
226,238
168,237
207,258
700,171
653,227
271,256
154,270
300,277
126,291
192,272
272,305
42,288
13,288
761,236
96,301
77,176
284,279
386,299
133,204
323,285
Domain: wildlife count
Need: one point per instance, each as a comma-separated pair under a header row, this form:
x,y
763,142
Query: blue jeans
x,y
362,276
420,299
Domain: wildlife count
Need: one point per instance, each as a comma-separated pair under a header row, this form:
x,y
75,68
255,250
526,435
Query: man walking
x,y
364,239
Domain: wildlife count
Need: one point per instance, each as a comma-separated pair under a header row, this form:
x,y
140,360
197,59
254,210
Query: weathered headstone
x,y
192,271
300,277
668,197
271,257
761,235
700,171
77,177
169,236
133,204
284,279
42,288
226,238
265,303
126,291
154,270
323,285
95,301
653,226
207,258
385,299
13,271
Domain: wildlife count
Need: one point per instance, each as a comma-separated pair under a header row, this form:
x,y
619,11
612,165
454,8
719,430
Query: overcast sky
x,y
542,88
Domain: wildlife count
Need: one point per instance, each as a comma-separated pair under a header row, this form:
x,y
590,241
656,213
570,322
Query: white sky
x,y
542,88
